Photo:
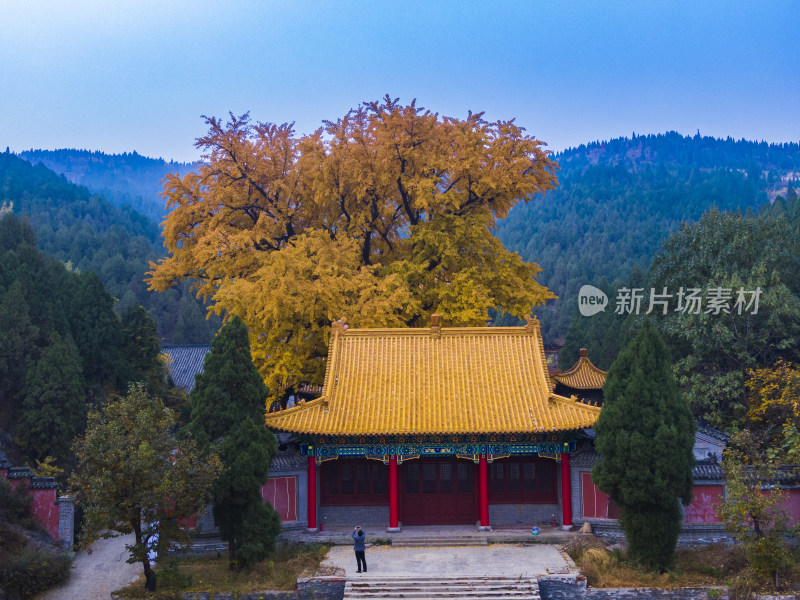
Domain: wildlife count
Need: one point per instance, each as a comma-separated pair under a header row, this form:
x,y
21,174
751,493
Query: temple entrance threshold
x,y
439,491
508,534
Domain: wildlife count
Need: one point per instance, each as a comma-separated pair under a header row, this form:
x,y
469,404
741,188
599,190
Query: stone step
x,y
408,588
380,579
357,585
439,541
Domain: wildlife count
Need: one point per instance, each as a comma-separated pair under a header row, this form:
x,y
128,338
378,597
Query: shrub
x,y
753,510
171,578
15,504
33,571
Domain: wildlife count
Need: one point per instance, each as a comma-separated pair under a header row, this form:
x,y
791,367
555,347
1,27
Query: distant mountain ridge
x,y
88,233
674,149
127,178
619,199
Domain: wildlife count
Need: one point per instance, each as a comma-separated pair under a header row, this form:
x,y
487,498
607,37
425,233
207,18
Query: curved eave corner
x,y
300,418
583,415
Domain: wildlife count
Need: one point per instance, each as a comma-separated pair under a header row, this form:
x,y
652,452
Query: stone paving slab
x,y
497,560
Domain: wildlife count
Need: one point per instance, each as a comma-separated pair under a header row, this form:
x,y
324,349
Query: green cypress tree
x,y
18,336
249,525
645,436
53,410
191,326
229,389
141,350
228,404
95,329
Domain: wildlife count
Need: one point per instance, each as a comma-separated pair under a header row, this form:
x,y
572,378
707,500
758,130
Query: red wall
x,y
703,508
596,504
791,504
45,510
281,492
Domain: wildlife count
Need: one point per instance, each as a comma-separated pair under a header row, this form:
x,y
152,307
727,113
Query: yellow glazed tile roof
x,y
459,380
583,375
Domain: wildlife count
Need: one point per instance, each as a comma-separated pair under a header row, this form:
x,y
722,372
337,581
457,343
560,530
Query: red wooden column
x,y
393,495
483,492
566,493
312,493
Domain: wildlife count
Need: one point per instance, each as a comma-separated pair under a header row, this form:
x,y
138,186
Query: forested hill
x,y
673,149
127,178
88,233
618,200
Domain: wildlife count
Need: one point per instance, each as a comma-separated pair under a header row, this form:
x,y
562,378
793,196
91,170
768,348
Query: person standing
x,y
358,545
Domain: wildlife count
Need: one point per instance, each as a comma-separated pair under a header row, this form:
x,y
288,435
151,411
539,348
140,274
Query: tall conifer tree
x,y
53,410
228,404
645,436
95,330
249,525
229,389
141,349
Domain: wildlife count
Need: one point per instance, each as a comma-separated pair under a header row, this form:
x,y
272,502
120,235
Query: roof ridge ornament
x,y
436,326
532,324
339,326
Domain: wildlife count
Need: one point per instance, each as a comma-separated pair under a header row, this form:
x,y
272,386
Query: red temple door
x,y
438,491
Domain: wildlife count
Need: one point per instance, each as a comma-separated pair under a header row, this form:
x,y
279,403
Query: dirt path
x,y
94,576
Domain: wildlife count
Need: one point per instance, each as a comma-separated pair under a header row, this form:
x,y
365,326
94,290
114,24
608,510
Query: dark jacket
x,y
358,541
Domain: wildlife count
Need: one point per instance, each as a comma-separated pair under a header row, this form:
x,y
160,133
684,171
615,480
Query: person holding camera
x,y
358,545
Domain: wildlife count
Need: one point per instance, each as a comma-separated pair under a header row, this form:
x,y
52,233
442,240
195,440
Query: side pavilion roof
x,y
583,375
460,380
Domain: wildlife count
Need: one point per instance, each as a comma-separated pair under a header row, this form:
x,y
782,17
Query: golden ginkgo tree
x,y
381,217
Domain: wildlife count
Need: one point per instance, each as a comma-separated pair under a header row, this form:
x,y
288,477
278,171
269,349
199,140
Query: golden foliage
x,y
773,399
382,217
48,468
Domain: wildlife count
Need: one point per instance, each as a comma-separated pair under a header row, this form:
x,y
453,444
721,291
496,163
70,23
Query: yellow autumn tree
x,y
381,217
773,408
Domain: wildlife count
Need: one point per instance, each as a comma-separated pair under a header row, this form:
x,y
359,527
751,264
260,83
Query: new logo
x,y
591,300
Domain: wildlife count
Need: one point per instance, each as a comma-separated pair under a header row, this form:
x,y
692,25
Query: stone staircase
x,y
430,541
419,588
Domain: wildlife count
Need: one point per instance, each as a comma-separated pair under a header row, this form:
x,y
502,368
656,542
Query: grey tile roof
x,y
185,362
716,434
705,471
290,461
788,475
19,473
310,389
586,456
43,483
35,483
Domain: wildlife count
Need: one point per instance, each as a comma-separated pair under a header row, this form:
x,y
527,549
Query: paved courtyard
x,y
498,560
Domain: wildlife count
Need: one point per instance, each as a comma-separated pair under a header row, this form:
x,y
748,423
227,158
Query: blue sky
x,y
137,75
